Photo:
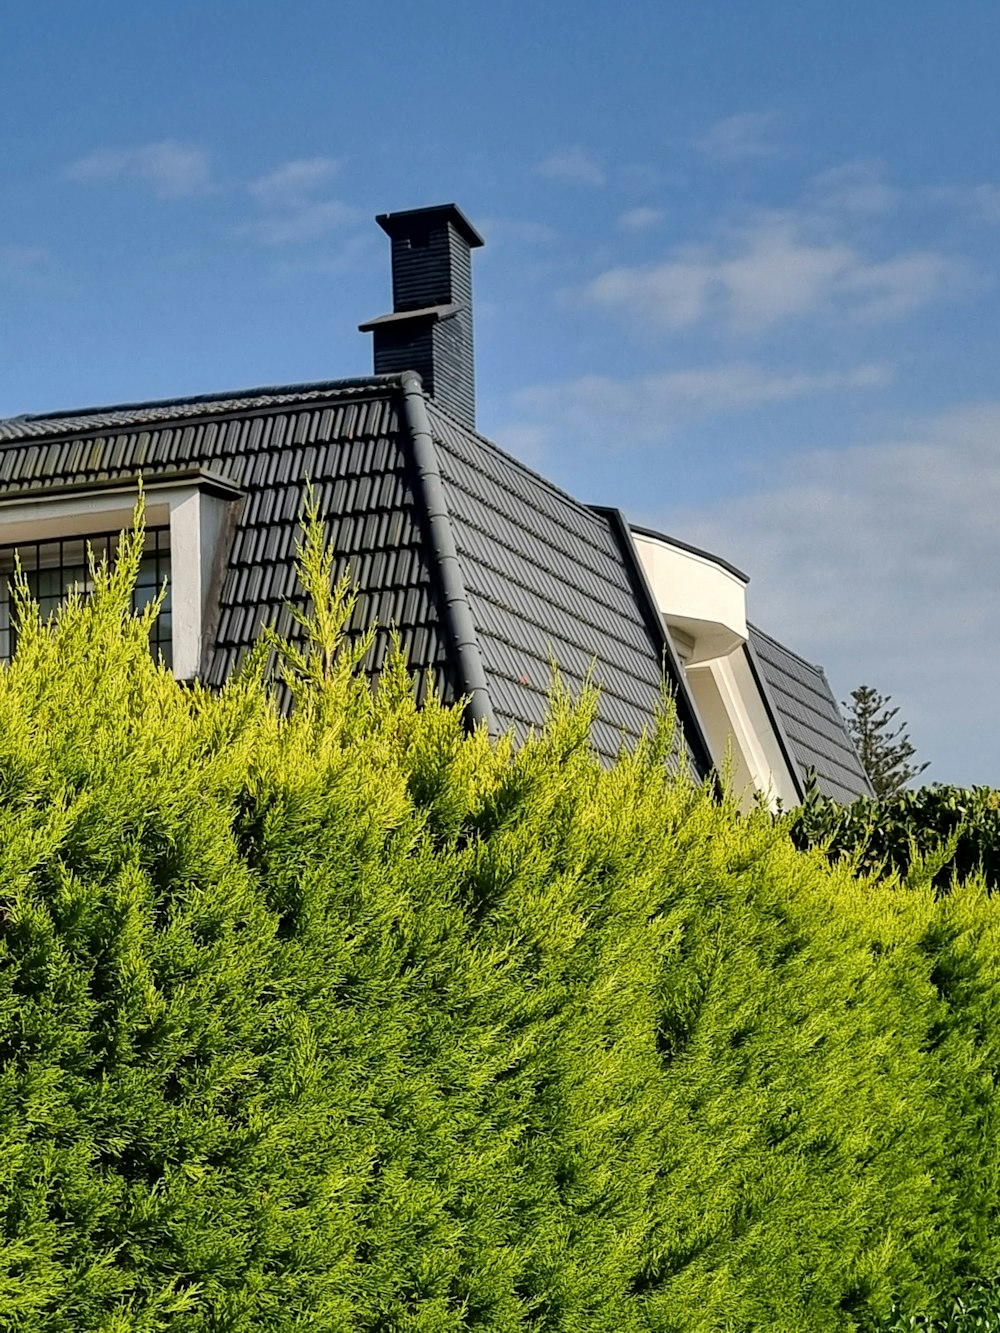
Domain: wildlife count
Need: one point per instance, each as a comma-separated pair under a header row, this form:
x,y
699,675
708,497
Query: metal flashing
x,y
433,314
456,603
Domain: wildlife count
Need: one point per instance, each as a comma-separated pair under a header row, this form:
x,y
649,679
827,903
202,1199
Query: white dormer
x,y
702,600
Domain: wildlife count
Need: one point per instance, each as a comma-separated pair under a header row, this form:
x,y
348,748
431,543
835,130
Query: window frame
x,y
37,560
200,509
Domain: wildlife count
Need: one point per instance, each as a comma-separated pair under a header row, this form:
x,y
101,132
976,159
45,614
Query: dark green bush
x,y
346,1020
886,835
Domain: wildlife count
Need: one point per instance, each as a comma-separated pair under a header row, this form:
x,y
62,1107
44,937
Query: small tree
x,y
885,755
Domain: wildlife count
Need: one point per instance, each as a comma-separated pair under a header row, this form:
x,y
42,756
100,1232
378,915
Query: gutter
x,y
458,613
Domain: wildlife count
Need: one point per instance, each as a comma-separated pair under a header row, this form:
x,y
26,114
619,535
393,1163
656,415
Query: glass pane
x,y
53,568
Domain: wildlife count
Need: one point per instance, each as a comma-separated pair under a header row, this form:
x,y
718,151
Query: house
x,y
486,570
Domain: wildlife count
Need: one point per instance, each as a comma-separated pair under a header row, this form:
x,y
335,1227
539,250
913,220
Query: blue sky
x,y
740,276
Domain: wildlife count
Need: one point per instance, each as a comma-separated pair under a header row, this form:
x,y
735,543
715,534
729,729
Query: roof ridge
x,y
451,580
225,396
33,426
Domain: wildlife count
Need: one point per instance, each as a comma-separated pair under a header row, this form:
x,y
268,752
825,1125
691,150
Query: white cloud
x,y
768,273
293,182
777,274
600,408
641,219
879,561
171,169
291,212
893,287
741,138
854,188
572,166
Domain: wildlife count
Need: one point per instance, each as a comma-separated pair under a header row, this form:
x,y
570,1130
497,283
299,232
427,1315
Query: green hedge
x,y
956,827
345,1020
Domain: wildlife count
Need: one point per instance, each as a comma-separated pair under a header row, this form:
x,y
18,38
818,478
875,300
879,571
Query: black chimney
x,y
430,328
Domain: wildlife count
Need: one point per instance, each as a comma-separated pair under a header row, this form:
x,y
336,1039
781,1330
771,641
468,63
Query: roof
x,y
692,550
807,712
540,575
551,579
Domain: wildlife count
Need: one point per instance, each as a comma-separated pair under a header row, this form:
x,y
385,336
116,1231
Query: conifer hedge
x,y
345,1020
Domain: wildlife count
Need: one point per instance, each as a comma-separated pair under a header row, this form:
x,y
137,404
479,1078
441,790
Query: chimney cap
x,y
399,225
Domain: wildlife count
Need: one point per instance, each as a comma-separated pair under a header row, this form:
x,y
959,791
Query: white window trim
x,y
199,508
748,725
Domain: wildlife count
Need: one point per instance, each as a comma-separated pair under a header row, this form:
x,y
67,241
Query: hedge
x,y
957,827
340,1018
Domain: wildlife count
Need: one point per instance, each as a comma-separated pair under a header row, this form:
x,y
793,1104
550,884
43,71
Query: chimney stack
x,y
430,328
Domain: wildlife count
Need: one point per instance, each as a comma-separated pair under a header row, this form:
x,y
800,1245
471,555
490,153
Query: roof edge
x,y
694,732
692,550
438,409
205,479
74,420
784,744
457,611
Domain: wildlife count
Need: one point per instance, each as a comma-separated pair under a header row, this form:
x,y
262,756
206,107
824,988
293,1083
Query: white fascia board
x,y
695,594
750,728
195,508
197,525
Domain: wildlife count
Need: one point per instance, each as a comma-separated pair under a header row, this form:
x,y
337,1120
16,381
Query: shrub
x,y
957,826
348,1020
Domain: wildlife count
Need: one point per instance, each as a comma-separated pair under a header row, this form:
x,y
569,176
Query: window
x,y
53,568
190,517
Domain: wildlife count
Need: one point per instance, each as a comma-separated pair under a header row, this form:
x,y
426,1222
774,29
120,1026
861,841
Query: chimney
x,y
430,328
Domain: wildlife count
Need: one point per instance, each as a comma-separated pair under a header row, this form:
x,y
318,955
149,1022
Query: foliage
x,y
975,1311
957,826
885,755
348,1020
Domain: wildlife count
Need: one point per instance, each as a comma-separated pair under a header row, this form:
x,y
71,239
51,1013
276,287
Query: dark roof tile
x,y
545,577
804,704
